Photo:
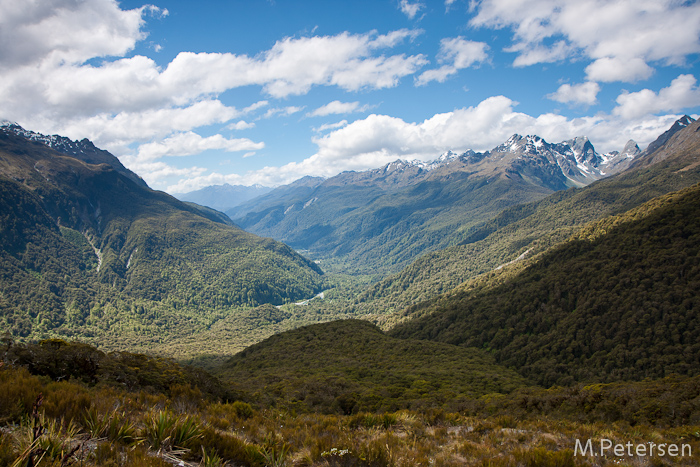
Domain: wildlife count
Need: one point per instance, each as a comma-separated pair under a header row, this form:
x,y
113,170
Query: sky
x,y
190,94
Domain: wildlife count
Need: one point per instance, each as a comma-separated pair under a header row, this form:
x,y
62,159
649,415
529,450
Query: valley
x,y
491,317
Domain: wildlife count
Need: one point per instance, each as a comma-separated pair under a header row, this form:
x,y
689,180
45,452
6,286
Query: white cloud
x,y
189,143
410,9
157,172
49,85
293,66
584,93
200,181
531,55
682,93
610,69
379,139
330,126
116,132
337,107
457,53
66,31
634,33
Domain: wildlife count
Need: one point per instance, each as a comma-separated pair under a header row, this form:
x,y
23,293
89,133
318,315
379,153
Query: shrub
x,y
157,428
541,457
243,410
19,391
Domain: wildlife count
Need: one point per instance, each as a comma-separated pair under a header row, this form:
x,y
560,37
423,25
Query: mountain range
x,y
89,251
382,219
589,285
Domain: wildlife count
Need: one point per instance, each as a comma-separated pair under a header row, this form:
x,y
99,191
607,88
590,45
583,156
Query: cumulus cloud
x,y
456,53
610,69
631,33
31,32
584,93
682,93
127,127
52,84
291,67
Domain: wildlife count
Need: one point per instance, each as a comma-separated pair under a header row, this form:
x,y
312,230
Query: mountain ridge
x,y
381,219
83,150
581,311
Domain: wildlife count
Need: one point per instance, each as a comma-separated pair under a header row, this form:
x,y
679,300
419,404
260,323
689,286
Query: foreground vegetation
x,y
99,421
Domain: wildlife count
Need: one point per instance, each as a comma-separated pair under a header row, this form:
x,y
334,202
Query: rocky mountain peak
x,y
678,125
631,150
584,152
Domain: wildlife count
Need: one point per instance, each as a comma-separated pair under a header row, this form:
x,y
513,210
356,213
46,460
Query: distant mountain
x,y
89,250
223,197
381,219
296,190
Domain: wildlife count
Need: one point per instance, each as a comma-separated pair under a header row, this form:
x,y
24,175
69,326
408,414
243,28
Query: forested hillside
x,y
350,366
88,252
616,302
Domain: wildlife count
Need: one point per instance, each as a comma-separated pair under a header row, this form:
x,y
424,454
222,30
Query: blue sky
x,y
189,94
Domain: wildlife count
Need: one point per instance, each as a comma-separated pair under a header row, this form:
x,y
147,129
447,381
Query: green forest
x,y
616,302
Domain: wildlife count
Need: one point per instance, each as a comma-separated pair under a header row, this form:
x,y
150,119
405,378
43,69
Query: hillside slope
x,y
87,251
351,365
616,302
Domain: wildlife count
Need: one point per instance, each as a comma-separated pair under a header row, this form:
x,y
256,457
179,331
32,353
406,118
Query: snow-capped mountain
x,y
557,166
